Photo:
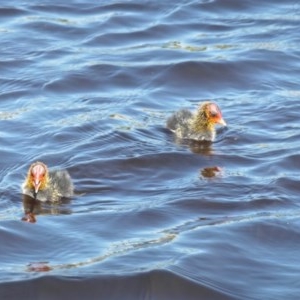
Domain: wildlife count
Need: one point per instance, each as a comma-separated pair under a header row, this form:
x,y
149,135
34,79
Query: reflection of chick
x,y
199,126
45,185
210,172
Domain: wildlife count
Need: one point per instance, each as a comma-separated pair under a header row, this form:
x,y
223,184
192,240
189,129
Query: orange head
x,y
212,113
37,177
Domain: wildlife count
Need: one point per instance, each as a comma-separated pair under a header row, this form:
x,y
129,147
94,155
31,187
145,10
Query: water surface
x,y
88,86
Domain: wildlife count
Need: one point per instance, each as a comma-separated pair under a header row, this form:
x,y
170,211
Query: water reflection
x,y
197,147
203,148
34,207
210,172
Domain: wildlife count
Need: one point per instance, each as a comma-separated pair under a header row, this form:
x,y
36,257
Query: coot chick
x,y
199,126
45,185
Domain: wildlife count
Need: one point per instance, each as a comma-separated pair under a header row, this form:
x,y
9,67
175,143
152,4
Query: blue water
x,y
87,86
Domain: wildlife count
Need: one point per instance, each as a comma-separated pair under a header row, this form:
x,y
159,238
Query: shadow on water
x,y
153,285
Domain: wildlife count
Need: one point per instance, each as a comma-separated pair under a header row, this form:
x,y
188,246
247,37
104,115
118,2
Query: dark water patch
x,y
57,28
204,74
78,81
151,285
56,9
10,12
128,7
241,8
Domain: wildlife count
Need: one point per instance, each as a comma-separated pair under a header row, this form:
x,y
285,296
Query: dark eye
x,y
213,113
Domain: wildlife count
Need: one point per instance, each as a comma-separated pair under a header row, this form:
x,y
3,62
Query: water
x,y
88,86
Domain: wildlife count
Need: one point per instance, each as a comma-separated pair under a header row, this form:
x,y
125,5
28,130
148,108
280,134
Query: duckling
x,y
44,185
199,126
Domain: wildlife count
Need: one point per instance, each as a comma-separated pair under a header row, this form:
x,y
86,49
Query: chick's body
x,y
45,185
199,126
